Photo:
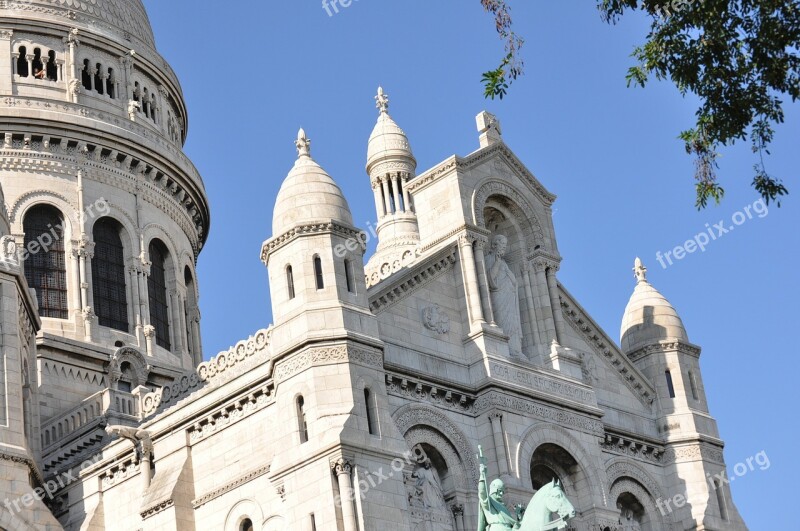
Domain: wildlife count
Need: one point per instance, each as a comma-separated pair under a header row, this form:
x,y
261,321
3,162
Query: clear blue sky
x,y
254,72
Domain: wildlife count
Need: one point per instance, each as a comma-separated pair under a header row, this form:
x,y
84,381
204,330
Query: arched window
x,y
38,65
693,385
349,276
45,265
86,75
189,309
110,83
98,79
290,281
108,276
318,273
670,386
52,66
247,525
22,62
157,293
723,506
372,412
302,424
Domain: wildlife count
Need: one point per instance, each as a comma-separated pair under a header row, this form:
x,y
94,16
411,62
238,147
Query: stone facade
x,y
363,405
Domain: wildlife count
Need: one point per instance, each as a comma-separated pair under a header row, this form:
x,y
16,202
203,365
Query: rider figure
x,y
494,516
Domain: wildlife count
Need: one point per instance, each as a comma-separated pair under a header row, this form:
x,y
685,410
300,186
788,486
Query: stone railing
x,y
105,404
223,367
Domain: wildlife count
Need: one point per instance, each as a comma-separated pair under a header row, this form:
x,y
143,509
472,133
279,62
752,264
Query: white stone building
x,y
362,406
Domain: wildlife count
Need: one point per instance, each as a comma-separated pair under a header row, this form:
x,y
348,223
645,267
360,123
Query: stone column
x,y
406,196
342,468
471,280
387,201
458,516
149,337
6,54
534,326
146,446
30,57
133,282
496,418
76,276
197,351
480,261
380,208
175,328
396,190
541,287
555,303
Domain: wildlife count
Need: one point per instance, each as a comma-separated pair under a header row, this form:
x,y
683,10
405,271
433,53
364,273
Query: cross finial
x,y
382,100
639,270
303,144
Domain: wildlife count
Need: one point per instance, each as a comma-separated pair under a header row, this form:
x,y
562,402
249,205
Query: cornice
x,y
238,482
322,227
664,346
403,284
467,163
594,336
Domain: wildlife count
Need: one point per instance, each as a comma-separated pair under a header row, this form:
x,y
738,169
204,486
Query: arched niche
x,y
128,358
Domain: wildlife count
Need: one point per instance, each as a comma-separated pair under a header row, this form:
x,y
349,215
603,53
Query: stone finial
x,y
382,101
489,128
303,144
639,270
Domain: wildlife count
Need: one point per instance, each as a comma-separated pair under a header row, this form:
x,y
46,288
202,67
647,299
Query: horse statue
x,y
548,500
495,516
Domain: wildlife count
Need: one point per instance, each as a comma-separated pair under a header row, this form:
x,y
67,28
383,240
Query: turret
x,y
653,337
390,165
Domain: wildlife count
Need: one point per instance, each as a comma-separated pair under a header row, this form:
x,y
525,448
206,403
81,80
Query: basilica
x,y
363,405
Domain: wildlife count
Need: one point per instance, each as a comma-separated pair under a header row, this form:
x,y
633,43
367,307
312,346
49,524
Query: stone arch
x,y
412,415
244,509
419,435
626,486
517,205
543,433
619,469
274,523
37,197
154,231
137,362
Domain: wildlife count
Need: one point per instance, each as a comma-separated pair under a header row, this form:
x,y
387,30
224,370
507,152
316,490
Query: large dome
x,y
308,194
119,18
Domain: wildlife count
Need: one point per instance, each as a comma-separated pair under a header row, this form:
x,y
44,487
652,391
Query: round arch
x,y
42,197
244,510
520,208
412,415
137,362
542,433
622,473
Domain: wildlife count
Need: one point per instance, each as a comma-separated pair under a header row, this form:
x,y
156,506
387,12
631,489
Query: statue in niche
x,y
629,522
427,486
505,299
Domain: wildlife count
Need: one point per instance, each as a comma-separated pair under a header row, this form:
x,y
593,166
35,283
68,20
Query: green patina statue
x,y
495,516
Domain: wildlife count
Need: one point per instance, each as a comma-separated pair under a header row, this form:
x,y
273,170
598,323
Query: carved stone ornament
x,y
434,318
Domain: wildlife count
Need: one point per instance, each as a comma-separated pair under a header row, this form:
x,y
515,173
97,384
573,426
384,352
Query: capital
x,y
341,466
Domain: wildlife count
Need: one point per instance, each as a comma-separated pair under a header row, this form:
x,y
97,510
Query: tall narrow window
x,y
110,83
22,62
290,281
38,65
318,273
392,206
301,419
313,522
157,292
247,525
45,267
372,412
52,66
108,276
723,506
86,75
670,386
693,384
189,308
349,276
402,206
